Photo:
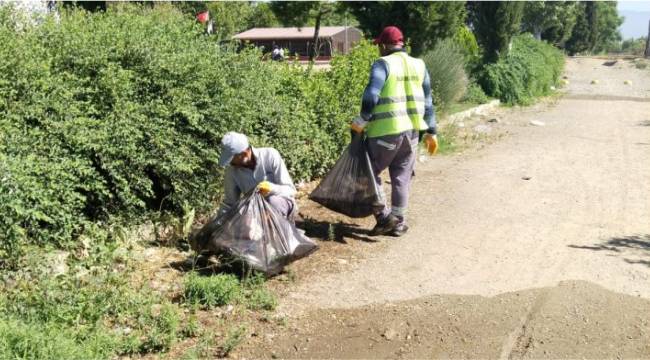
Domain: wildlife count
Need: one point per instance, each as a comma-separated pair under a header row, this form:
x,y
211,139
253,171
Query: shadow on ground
x,y
635,245
333,231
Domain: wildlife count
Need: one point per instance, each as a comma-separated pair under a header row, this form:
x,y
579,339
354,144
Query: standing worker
x,y
396,106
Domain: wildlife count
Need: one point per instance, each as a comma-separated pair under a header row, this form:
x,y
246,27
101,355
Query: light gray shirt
x,y
270,167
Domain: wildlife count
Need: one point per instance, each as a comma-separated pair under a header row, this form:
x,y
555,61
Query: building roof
x,y
290,33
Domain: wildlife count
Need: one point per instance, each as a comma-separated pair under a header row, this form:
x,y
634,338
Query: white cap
x,y
232,143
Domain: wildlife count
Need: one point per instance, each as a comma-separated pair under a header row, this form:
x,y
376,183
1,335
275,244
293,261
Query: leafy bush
x,y
112,116
211,291
475,94
446,67
528,71
633,46
469,47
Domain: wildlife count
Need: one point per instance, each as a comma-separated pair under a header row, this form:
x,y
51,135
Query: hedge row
x,y
528,71
118,114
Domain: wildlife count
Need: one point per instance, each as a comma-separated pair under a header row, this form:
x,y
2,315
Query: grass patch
x,y
234,338
218,290
90,311
640,64
211,291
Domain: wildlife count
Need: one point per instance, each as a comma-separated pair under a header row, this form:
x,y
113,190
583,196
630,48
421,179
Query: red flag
x,y
203,17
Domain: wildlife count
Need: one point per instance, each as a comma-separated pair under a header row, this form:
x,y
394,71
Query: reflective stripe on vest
x,y
401,100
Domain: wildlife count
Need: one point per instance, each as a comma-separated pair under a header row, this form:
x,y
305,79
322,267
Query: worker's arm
x,y
429,108
231,192
281,184
378,76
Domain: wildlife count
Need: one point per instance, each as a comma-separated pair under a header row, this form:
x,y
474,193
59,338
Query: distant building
x,y
332,39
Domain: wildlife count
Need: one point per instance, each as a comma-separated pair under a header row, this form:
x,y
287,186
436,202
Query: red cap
x,y
391,35
202,17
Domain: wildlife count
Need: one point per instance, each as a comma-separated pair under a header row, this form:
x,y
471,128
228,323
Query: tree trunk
x,y
538,33
314,52
647,43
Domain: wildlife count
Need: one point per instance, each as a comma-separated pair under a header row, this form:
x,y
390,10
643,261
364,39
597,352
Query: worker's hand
x,y
264,188
431,142
358,124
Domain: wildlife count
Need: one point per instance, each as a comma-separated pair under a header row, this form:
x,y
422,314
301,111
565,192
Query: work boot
x,y
400,229
384,225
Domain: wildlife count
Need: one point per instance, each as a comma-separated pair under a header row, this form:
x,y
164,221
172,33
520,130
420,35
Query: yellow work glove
x,y
358,124
264,188
431,142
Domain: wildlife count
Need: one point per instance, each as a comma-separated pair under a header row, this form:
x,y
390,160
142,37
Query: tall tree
x,y
596,28
232,17
608,35
495,23
423,23
552,21
301,13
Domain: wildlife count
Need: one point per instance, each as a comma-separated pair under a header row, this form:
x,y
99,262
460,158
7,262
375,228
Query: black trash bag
x,y
349,187
254,232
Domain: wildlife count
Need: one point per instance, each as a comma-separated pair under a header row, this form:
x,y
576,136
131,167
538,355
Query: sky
x,y
634,5
637,15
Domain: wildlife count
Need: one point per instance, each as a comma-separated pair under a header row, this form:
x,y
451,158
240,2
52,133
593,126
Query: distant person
x,y
277,54
396,106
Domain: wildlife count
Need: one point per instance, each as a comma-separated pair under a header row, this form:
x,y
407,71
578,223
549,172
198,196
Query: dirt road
x,y
535,246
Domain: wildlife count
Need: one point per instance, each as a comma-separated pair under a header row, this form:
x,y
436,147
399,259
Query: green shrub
x,y
90,312
634,46
446,67
466,40
211,291
113,116
528,71
475,94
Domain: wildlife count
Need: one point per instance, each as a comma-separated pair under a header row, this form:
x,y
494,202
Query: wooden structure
x,y
332,39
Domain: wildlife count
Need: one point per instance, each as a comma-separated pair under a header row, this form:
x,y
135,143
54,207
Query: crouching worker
x,y
248,168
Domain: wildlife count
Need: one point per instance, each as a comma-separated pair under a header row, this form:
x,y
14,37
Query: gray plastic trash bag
x,y
349,187
255,233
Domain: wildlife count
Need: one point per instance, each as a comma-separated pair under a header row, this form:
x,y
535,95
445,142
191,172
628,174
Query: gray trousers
x,y
398,154
283,205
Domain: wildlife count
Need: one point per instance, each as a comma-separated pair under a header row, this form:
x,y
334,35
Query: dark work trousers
x,y
283,205
398,154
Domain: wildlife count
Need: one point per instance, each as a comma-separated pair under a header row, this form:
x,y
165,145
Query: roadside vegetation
x,y
110,122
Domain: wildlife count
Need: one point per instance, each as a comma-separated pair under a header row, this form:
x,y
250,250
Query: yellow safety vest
x,y
401,101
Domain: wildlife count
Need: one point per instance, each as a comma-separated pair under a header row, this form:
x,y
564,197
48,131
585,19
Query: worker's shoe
x,y
385,225
400,229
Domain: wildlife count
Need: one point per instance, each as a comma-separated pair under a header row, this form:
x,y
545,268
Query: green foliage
x,y
257,296
23,340
446,67
529,71
596,28
231,17
475,94
91,311
552,21
495,23
211,291
422,23
100,125
608,36
234,338
467,41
